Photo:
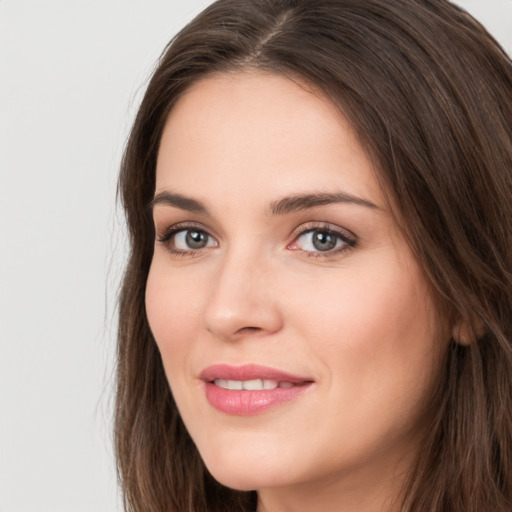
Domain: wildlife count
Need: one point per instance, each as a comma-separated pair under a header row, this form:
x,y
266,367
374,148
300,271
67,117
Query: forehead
x,y
256,129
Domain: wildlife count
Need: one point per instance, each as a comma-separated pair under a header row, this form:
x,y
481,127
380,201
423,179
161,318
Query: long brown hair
x,y
429,93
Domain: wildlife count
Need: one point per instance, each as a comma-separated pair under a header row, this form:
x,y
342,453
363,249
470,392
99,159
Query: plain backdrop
x,y
72,73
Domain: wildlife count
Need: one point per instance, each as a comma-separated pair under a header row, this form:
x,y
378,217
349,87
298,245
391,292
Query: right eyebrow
x,y
178,201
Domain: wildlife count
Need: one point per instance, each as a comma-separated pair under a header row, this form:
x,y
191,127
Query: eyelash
x,y
348,239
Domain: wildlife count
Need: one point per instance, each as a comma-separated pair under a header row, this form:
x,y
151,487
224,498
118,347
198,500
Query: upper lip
x,y
249,372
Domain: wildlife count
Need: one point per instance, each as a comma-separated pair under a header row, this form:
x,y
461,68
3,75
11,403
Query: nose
x,y
243,301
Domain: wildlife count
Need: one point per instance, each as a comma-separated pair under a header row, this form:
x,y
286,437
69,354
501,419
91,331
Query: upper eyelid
x,y
304,226
182,226
325,226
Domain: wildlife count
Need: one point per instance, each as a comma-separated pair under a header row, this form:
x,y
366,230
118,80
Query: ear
x,y
467,333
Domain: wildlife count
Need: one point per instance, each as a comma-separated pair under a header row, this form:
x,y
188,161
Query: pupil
x,y
196,239
324,241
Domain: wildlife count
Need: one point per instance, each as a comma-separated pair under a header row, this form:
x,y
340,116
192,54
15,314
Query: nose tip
x,y
242,304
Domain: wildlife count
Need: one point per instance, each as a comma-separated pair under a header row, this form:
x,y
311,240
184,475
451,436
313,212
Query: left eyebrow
x,y
303,202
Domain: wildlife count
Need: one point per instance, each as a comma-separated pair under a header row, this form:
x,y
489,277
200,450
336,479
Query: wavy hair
x,y
429,94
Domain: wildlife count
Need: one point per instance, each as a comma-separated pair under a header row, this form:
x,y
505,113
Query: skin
x,y
359,321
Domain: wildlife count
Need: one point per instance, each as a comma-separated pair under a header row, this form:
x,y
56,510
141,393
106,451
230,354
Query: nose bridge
x,y
242,299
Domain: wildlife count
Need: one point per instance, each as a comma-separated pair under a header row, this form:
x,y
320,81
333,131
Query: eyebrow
x,y
178,201
303,202
282,206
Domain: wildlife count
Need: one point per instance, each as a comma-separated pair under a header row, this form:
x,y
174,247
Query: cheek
x,y
172,308
376,334
363,307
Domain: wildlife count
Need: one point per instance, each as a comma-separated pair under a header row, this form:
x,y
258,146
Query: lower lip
x,y
246,403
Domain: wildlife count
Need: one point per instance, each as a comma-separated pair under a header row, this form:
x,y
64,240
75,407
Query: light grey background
x,y
71,76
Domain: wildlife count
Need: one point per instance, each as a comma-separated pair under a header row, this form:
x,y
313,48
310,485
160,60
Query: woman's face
x,y
296,329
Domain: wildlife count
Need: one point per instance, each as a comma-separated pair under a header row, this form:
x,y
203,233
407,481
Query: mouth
x,y
250,389
252,385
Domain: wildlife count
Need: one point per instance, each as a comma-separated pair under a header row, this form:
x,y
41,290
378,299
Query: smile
x,y
250,389
252,385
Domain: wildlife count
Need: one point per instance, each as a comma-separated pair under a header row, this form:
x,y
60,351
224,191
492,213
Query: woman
x,y
316,312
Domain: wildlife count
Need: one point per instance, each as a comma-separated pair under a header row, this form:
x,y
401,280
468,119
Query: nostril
x,y
247,330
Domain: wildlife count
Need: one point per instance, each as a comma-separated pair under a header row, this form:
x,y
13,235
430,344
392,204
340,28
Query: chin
x,y
245,473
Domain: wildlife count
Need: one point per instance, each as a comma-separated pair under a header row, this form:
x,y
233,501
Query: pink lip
x,y
244,402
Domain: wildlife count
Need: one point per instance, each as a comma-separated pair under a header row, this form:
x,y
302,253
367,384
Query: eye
x,y
319,240
191,239
187,240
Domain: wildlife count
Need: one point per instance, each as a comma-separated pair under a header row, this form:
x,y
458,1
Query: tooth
x,y
228,384
221,383
253,385
235,385
269,384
